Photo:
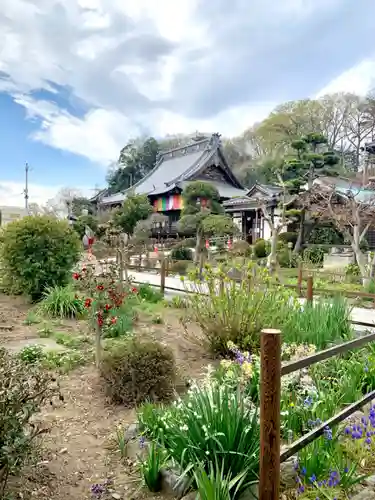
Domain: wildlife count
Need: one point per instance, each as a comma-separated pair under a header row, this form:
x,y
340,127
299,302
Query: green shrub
x,y
236,312
24,389
261,249
149,293
61,302
179,267
288,237
209,425
38,252
315,255
137,370
31,354
286,258
241,248
181,253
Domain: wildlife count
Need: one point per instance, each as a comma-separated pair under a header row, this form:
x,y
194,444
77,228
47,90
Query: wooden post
x,y
167,267
270,386
300,278
162,276
310,290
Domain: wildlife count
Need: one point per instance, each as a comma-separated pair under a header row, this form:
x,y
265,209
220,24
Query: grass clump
x,y
321,323
61,302
138,370
151,466
211,424
235,312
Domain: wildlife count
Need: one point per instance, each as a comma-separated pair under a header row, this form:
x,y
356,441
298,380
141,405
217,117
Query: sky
x,y
79,78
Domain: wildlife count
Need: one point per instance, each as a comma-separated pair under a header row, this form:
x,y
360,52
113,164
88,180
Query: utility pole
x,y
26,191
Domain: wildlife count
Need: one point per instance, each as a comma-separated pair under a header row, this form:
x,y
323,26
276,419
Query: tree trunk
x,y
360,257
299,242
198,248
272,258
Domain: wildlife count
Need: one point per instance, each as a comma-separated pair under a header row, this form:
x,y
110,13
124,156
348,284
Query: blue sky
x,y
79,78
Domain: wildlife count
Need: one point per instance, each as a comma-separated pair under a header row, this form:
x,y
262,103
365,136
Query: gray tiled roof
x,y
225,190
174,167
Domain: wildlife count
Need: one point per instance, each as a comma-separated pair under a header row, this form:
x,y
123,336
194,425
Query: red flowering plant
x,y
108,303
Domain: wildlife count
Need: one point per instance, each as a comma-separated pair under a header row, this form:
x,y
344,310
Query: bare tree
x,y
352,212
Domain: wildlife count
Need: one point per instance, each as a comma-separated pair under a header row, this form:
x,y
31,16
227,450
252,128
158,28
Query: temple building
x,y
247,215
203,160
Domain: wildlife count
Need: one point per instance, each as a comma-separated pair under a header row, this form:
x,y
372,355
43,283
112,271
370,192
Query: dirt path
x,y
77,451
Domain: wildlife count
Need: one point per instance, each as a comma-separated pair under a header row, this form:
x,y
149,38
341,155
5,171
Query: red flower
x,y
134,290
100,319
100,287
114,320
107,307
76,276
88,302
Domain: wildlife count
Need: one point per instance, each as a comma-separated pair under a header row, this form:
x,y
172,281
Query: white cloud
x,y
12,193
122,60
357,80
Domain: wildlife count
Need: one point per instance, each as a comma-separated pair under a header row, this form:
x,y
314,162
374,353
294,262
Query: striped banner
x,y
166,203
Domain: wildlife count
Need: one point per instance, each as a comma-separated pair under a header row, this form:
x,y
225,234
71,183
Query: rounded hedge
x,y
37,252
181,253
139,370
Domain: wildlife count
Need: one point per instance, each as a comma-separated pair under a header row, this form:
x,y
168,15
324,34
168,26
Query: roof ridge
x,y
192,167
162,153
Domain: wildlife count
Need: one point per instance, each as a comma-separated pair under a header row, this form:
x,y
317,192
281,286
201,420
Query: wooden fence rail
x,y
271,372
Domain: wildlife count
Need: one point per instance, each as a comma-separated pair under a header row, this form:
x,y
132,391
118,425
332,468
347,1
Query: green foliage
x,y
136,160
326,235
201,199
135,208
149,293
24,389
181,253
261,249
211,424
31,354
138,370
179,267
320,324
235,312
352,270
151,467
38,252
83,221
286,258
218,225
241,248
288,237
61,302
215,485
314,255
32,318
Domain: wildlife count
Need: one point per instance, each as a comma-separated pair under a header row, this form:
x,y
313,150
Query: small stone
x,y
132,431
288,473
370,481
172,482
190,496
116,496
365,494
62,451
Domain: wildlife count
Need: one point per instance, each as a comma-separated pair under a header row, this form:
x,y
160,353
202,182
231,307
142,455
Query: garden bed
x,y
78,451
